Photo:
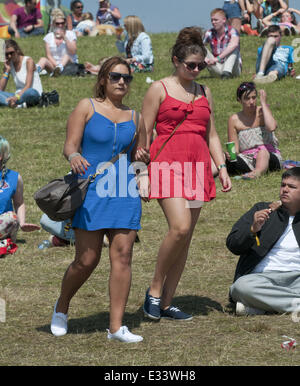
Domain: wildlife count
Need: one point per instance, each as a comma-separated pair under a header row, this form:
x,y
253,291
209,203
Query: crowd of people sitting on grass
x,y
176,102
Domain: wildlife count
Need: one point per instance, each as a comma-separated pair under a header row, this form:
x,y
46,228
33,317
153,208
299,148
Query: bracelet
x,y
71,156
219,59
245,12
5,75
221,166
18,96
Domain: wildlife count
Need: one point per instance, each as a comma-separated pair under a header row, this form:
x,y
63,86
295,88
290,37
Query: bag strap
x,y
173,132
116,157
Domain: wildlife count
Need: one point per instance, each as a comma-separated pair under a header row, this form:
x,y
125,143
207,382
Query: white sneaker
x,y
124,335
59,323
241,310
266,79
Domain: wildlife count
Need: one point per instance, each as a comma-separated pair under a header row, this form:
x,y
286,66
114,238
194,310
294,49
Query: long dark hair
x,y
12,43
189,41
100,86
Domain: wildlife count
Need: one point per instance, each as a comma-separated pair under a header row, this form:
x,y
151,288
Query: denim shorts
x,y
273,66
232,10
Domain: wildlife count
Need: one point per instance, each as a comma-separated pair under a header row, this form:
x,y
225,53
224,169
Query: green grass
x,y
30,280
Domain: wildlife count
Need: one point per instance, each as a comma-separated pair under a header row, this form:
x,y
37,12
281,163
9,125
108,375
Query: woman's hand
x,y
225,180
143,184
12,101
142,155
263,96
7,66
79,165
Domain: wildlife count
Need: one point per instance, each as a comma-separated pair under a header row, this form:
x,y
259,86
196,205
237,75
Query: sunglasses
x,y
192,65
116,76
60,23
79,7
8,53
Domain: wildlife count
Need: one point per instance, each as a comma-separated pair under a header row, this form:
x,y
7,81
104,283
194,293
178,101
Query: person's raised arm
x,y
115,13
71,44
75,128
5,76
269,121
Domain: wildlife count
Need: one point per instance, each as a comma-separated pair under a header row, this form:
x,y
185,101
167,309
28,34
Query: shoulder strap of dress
x,y
137,119
92,104
203,89
164,86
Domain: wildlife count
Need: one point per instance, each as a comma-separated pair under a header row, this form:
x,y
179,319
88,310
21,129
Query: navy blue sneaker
x,y
151,306
174,313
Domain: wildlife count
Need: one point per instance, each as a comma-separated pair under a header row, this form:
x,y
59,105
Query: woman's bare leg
x,y
173,251
88,252
120,252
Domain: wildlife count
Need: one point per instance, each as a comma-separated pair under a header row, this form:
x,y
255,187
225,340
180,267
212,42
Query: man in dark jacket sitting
x,y
267,238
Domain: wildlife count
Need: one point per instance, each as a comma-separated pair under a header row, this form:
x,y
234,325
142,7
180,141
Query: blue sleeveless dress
x,y
112,200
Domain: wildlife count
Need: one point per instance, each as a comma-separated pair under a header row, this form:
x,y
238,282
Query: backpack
x,y
74,69
49,98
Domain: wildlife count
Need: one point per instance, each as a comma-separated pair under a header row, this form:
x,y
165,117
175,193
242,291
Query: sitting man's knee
x,y
242,286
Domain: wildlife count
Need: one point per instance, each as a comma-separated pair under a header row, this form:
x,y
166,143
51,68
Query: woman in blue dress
x,y
97,130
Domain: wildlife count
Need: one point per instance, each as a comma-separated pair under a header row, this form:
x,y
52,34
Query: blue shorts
x,y
232,10
272,66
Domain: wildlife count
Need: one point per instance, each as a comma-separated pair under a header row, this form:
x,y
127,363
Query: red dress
x,y
183,168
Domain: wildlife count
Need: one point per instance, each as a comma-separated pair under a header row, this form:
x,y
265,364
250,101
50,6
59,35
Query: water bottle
x,y
44,244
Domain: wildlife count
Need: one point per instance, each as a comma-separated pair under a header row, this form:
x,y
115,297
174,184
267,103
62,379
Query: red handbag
x,y
7,247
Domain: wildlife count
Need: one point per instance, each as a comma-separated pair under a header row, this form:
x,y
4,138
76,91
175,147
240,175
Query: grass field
x,y
30,279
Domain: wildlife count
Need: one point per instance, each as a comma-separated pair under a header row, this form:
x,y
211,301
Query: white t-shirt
x,y
58,52
285,254
20,77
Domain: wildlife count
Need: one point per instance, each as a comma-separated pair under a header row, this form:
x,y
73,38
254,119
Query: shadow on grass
x,y
191,304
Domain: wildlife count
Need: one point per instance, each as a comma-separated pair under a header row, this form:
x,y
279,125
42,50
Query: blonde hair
x,y
87,16
56,14
4,155
134,27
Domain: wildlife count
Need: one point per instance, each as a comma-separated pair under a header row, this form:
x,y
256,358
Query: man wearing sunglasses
x,y
224,60
26,21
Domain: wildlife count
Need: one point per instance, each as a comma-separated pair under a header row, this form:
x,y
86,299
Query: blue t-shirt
x,y
282,55
8,188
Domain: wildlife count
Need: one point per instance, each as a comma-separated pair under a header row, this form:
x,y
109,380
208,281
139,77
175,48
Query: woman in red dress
x,y
180,172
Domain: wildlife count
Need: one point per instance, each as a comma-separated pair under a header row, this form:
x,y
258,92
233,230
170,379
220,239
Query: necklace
x,y
186,91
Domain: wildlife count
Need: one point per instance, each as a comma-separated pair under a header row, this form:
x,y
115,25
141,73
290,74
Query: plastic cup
x,y
230,146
